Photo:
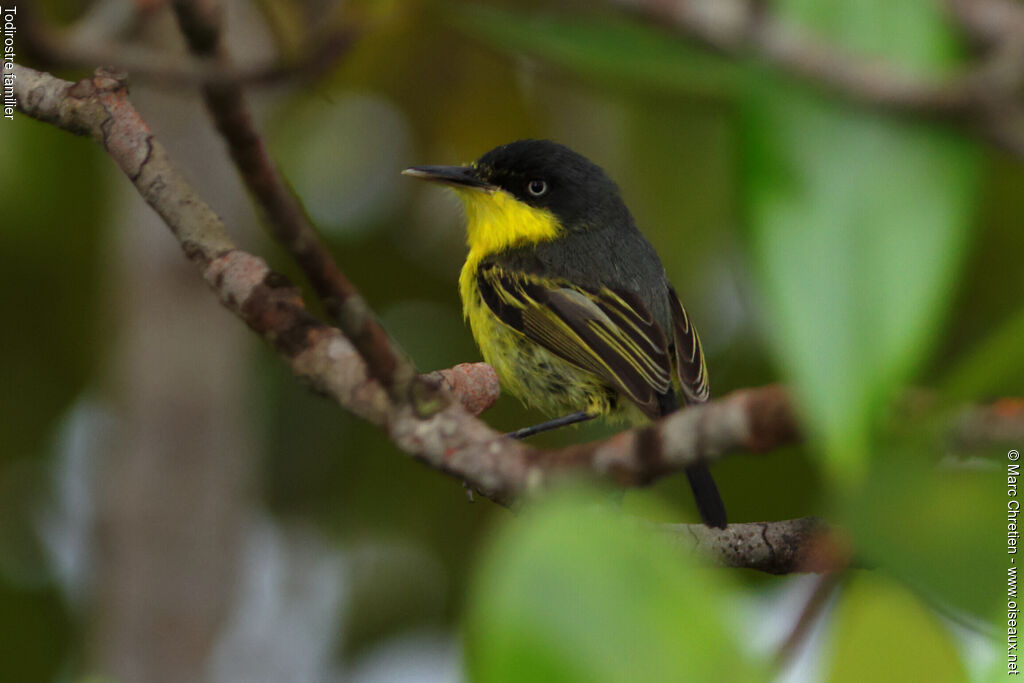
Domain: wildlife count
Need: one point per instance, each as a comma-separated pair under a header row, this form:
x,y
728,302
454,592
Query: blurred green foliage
x,y
854,271
604,50
50,253
574,591
942,532
996,364
858,222
905,639
813,242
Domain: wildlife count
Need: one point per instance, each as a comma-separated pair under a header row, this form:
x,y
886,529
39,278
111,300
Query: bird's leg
x,y
570,419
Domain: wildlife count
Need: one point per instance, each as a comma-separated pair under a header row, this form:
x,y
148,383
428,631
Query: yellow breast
x,y
497,221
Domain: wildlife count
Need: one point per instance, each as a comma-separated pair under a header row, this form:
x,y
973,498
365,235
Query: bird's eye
x,y
537,187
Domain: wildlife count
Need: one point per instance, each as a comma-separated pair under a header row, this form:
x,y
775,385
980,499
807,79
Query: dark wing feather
x,y
693,371
610,334
693,376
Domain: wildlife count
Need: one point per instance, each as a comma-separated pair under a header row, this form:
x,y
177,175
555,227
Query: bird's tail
x,y
709,502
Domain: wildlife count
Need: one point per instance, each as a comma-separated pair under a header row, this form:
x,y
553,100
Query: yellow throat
x,y
495,221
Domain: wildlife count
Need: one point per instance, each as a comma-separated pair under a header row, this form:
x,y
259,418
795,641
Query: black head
x,y
548,175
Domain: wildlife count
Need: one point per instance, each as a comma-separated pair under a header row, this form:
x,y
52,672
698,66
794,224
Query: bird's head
x,y
529,191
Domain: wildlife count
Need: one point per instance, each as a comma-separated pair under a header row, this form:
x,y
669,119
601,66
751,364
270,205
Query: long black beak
x,y
460,176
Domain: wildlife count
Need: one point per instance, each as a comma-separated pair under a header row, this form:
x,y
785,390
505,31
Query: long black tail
x,y
709,502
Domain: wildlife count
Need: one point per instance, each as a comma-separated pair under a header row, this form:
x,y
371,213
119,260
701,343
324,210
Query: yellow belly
x,y
528,371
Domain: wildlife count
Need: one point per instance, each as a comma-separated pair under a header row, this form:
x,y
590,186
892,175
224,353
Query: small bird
x,y
567,299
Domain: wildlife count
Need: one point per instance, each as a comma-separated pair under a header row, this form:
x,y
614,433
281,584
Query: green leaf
x,y
571,591
995,365
858,221
882,632
53,269
913,36
611,51
941,531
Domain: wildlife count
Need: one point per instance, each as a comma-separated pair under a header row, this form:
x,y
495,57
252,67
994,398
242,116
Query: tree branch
x,y
450,439
985,98
788,546
979,428
825,587
989,22
67,48
746,28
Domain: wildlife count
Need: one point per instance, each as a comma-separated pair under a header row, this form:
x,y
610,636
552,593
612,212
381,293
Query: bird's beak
x,y
456,176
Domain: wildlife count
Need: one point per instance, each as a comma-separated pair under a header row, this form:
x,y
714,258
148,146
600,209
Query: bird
x,y
567,299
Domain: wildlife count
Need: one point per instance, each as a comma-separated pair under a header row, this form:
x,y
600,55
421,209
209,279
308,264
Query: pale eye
x,y
537,187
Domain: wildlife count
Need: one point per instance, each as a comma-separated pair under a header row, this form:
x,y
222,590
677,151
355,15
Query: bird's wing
x,y
693,371
609,333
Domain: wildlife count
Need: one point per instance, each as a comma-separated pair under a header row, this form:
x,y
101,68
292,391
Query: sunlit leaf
x,y
882,632
572,591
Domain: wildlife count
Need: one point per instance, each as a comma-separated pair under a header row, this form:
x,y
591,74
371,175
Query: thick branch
x,y
757,420
452,440
785,547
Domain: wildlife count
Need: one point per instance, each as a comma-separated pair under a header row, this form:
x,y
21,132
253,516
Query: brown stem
x,y
200,22
67,48
823,589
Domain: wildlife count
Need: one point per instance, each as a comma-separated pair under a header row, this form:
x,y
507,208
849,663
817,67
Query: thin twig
x,y
200,22
69,49
744,28
984,99
824,587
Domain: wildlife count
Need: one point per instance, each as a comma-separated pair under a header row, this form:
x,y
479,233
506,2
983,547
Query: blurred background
x,y
175,506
